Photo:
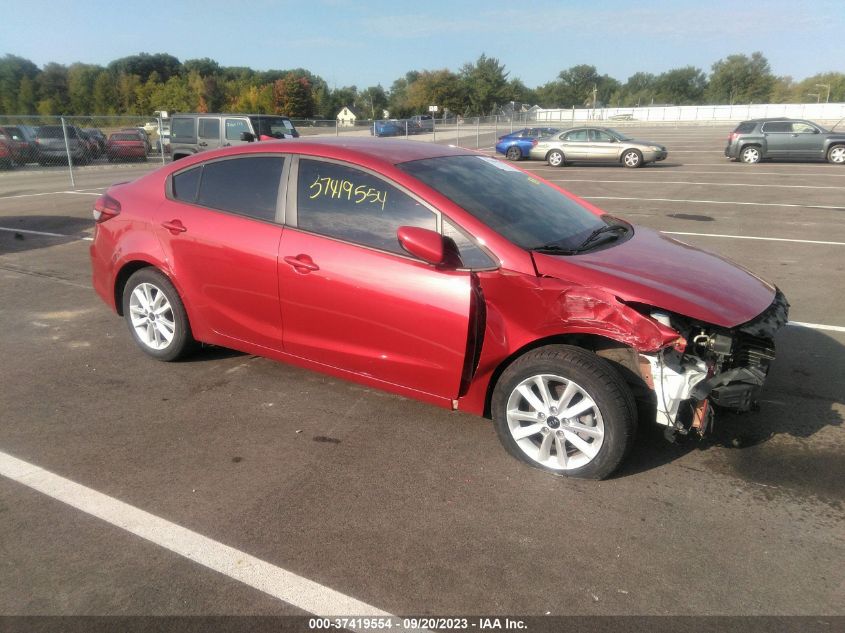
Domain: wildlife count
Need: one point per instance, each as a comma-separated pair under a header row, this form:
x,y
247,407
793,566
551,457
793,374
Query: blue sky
x,y
367,43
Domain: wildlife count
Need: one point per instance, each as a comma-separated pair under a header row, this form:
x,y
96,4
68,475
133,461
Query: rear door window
x,y
247,186
777,127
209,129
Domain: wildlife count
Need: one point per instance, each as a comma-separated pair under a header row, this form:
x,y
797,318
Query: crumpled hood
x,y
656,270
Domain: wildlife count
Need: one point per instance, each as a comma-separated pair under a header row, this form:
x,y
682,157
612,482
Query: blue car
x,y
388,128
516,145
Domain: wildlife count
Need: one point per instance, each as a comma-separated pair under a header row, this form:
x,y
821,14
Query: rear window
x,y
745,127
51,131
126,137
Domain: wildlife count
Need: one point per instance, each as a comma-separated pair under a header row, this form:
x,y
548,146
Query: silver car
x,y
596,144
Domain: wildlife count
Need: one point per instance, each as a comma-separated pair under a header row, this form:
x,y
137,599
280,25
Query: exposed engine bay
x,y
710,367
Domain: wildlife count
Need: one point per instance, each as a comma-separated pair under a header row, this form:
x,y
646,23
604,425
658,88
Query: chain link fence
x,y
84,146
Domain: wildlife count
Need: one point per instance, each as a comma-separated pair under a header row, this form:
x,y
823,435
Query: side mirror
x,y
249,137
429,246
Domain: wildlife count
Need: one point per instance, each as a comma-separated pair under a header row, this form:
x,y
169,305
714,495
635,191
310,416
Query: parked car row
x,y
46,145
751,142
417,124
582,144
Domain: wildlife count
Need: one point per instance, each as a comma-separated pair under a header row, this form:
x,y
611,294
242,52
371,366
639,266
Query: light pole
x,y
827,96
816,95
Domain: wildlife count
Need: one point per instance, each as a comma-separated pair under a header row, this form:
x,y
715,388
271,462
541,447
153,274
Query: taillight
x,y
732,137
105,208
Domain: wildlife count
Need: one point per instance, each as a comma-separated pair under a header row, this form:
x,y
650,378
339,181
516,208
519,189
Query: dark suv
x,y
793,139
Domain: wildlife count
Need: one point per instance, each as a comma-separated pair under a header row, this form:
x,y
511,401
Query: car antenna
x,y
837,123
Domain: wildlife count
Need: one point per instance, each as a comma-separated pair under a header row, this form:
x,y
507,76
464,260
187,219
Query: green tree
x,y
104,95
125,89
638,90
204,66
80,84
144,64
574,87
485,85
741,79
680,86
53,90
26,97
373,101
442,88
819,84
13,70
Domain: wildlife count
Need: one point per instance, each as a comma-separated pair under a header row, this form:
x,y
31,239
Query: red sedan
x,y
126,146
442,275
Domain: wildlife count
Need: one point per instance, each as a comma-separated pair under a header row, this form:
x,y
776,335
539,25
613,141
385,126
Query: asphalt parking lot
x,y
403,507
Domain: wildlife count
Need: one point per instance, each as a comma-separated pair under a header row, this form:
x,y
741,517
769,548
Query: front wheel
x,y
156,316
513,153
564,410
555,158
836,155
632,158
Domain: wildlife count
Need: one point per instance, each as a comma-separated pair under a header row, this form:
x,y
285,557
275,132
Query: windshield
x,y
618,134
275,126
526,211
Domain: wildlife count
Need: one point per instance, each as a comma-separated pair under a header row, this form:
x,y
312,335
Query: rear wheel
x,y
156,316
555,158
513,153
564,410
836,155
750,154
632,158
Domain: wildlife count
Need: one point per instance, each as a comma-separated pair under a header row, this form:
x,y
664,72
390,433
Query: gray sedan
x,y
596,144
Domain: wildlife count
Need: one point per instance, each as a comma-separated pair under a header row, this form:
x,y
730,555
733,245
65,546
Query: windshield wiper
x,y
602,234
555,248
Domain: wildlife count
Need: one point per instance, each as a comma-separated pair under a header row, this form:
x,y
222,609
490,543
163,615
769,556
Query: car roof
x,y
391,151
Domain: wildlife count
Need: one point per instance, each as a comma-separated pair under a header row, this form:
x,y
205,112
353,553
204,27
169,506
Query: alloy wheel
x,y
555,422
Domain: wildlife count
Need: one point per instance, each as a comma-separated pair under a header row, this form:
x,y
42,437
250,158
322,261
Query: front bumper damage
x,y
716,369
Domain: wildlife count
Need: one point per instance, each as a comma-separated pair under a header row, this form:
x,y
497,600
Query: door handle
x,y
301,262
203,144
174,226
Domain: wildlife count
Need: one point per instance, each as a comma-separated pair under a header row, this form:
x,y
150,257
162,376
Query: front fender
x,y
523,309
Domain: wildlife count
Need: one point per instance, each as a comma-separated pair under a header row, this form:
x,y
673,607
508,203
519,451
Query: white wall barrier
x,y
705,113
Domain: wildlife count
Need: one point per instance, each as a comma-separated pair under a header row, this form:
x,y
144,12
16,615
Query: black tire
x,y
598,381
836,154
750,154
182,342
632,158
555,158
513,153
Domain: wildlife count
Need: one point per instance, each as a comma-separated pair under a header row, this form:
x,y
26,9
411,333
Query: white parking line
x,y
44,233
749,237
751,204
51,193
686,182
297,591
818,326
664,170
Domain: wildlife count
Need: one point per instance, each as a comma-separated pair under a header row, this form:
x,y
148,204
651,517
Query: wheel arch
x,y
622,356
126,271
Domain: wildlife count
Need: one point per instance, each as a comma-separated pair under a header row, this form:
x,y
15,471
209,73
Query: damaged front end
x,y
713,367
